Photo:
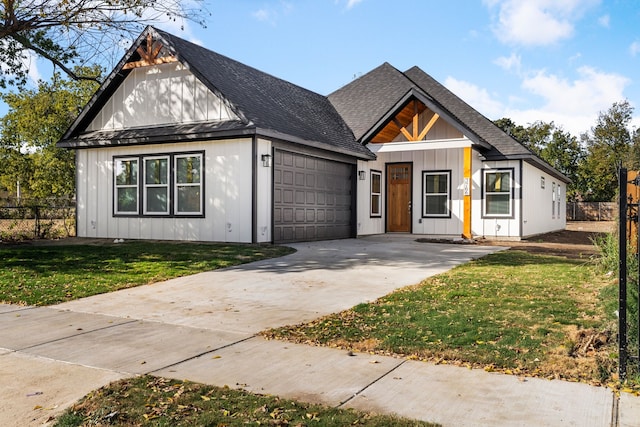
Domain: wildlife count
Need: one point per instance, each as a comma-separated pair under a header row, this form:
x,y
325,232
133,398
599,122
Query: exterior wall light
x,y
266,160
362,175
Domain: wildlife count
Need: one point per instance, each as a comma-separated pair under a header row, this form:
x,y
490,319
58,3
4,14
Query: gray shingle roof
x,y
365,101
263,102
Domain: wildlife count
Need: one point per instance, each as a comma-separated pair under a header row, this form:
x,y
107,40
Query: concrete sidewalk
x,y
203,327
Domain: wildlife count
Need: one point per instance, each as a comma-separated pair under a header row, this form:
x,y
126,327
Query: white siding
x,y
538,213
160,95
426,160
495,227
264,193
227,195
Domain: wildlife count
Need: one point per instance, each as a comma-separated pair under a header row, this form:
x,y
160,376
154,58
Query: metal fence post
x,y
622,275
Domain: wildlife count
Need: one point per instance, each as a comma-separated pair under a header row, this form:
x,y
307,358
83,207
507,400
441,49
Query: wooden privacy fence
x,y
45,220
592,211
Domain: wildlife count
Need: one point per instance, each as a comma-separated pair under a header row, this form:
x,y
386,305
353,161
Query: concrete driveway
x,y
52,356
320,278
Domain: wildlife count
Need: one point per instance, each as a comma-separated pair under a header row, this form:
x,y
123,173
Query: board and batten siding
x,y
264,193
160,95
422,161
227,197
495,227
539,215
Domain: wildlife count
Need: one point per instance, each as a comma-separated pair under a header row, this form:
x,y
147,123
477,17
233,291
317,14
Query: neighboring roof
x,y
266,105
375,97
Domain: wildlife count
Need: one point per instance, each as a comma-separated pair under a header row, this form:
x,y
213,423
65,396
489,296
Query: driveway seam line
x,y
370,384
19,309
76,335
201,354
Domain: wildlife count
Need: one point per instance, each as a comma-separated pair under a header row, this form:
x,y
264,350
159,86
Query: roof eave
x,y
429,102
270,133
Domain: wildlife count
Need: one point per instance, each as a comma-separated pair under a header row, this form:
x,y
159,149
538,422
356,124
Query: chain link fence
x,y
36,219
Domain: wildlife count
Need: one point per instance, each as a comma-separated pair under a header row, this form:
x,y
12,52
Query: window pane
x,y
436,205
497,182
437,184
127,200
375,204
188,170
375,183
157,199
156,171
189,199
498,204
127,172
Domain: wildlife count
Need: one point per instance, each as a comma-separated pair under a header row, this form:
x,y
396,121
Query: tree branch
x,y
43,53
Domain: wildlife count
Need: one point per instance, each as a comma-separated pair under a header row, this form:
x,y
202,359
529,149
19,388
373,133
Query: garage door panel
x,y
313,200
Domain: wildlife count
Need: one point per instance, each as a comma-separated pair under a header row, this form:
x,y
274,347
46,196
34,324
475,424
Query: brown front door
x,y
399,197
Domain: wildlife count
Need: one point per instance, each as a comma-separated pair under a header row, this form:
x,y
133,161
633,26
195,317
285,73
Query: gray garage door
x,y
312,198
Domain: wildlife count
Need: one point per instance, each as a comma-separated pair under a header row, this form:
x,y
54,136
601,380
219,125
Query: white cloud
x,y
634,48
263,15
512,63
590,91
271,14
536,22
604,21
477,97
572,104
352,3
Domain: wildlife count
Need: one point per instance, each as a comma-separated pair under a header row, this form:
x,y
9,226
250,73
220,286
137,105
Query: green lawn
x,y
510,311
155,401
49,274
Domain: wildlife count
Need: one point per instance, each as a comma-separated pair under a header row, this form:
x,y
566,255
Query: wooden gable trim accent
x,y
409,115
150,56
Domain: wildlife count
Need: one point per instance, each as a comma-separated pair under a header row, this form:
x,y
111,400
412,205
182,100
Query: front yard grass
x,y
511,311
156,401
50,274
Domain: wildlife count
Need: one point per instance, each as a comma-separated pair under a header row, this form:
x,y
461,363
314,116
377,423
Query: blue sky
x,y
550,60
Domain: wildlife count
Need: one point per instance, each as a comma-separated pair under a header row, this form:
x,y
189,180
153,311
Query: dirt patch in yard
x,y
576,241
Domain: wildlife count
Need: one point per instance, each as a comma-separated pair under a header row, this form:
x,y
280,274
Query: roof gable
x,y
370,102
166,94
261,102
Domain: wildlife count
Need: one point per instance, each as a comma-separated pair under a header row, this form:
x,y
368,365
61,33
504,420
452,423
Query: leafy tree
x,y
64,31
552,144
36,120
610,144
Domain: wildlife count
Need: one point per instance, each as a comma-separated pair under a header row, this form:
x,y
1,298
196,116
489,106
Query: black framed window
x,y
126,186
376,193
159,185
156,185
498,195
188,184
436,194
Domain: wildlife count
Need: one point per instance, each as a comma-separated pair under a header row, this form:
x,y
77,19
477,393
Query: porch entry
x,y
399,203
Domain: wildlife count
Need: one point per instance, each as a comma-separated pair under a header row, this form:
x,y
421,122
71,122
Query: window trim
x,y
553,200
141,211
511,173
426,173
116,186
177,185
145,186
373,172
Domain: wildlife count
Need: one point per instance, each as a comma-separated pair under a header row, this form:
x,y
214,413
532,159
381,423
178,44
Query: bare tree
x,y
76,32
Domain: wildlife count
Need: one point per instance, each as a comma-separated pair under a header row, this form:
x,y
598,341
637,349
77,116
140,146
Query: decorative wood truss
x,y
408,116
150,55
